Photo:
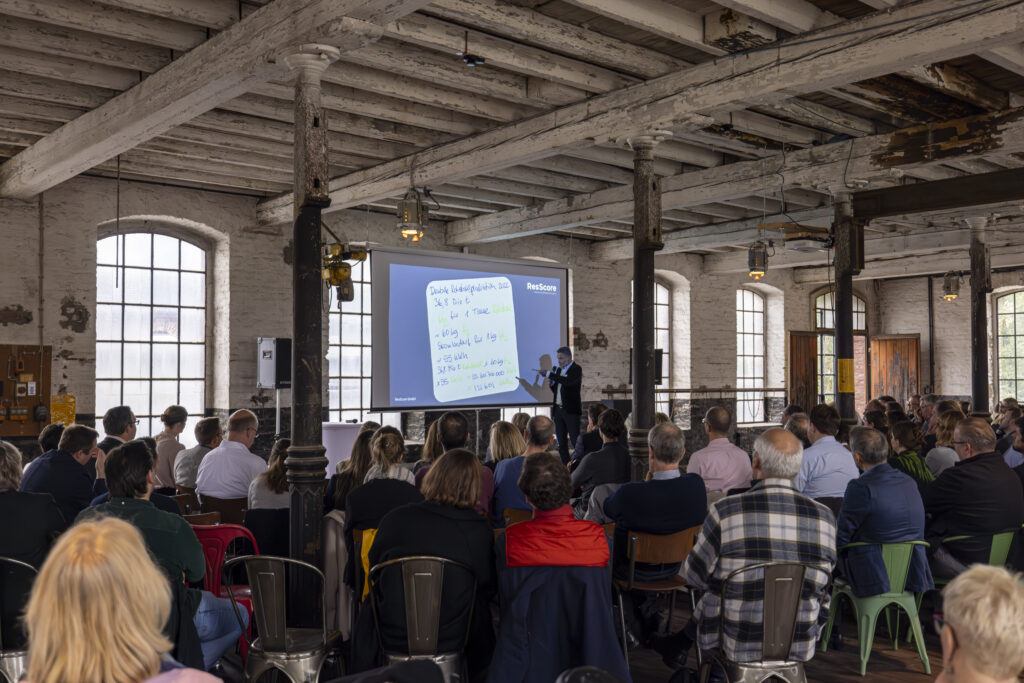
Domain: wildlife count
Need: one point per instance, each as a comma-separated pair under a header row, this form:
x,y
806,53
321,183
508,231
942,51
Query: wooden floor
x,y
885,665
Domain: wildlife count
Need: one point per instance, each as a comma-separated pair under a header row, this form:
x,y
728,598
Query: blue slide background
x,y
538,331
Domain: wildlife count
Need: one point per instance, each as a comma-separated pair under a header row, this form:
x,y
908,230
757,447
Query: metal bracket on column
x,y
977,224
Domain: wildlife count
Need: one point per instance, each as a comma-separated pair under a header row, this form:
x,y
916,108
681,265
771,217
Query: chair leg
x,y
827,634
918,637
671,609
622,623
693,615
867,637
892,621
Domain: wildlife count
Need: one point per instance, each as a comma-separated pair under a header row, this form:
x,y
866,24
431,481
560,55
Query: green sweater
x,y
914,466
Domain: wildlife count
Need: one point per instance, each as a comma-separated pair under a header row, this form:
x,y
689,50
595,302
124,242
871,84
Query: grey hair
x,y
775,462
870,443
10,467
667,442
930,399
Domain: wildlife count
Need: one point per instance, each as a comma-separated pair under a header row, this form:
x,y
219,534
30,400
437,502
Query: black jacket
x,y
58,474
570,382
610,465
31,522
979,496
366,505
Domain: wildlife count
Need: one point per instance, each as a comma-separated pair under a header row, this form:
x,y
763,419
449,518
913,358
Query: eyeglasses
x,y
137,422
959,443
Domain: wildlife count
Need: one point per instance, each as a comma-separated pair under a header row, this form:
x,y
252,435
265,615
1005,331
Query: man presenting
x,y
565,381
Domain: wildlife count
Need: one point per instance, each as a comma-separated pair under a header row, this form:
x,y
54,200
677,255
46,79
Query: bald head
x,y
540,432
717,421
777,453
243,427
972,437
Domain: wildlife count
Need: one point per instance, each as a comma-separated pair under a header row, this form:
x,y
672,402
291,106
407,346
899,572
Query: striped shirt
x,y
770,523
914,466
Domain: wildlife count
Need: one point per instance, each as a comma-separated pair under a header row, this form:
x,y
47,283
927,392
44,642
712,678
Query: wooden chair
x,y
185,490
188,503
609,528
512,515
232,510
203,518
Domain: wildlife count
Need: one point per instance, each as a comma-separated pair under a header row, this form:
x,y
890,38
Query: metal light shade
x,y
757,260
412,215
950,286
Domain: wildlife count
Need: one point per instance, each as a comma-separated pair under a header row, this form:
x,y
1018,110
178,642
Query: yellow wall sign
x,y
62,409
845,369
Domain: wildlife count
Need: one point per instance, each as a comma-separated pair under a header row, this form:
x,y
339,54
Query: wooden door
x,y
896,365
803,369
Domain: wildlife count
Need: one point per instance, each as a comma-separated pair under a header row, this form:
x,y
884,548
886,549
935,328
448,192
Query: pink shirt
x,y
722,465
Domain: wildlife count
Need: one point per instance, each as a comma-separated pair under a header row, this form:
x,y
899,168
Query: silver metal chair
x,y
423,585
16,579
783,585
298,653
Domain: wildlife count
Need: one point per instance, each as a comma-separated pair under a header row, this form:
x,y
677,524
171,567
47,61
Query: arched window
x,y
750,355
151,327
824,323
1010,345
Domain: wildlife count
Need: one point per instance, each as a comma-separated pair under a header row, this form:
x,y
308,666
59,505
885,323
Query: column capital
x,y
646,140
976,223
309,61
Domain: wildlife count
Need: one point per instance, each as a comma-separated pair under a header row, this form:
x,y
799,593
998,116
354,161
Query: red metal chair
x,y
215,541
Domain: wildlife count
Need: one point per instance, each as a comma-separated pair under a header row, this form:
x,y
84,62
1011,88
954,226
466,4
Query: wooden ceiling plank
x,y
49,90
654,16
68,69
216,14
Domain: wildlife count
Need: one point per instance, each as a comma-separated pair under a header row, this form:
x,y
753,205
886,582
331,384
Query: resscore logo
x,y
538,287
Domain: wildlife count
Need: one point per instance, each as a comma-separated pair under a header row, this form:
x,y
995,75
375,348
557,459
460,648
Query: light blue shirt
x,y
1013,457
826,470
666,474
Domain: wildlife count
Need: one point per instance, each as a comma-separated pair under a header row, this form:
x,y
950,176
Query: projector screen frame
x,y
478,261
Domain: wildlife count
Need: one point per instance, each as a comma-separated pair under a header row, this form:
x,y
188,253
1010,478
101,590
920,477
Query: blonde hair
x,y
945,427
506,441
10,467
985,608
387,447
97,608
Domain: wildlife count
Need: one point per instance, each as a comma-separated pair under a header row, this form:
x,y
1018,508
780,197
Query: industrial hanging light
x,y
412,215
950,286
757,260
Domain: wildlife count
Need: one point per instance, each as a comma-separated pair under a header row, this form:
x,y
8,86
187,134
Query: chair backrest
x,y
513,516
423,588
232,510
215,541
1000,550
273,581
188,503
270,527
16,578
897,557
203,518
659,548
783,585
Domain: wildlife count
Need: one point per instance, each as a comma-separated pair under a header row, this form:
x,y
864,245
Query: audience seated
x,y
269,490
608,465
97,610
827,466
668,502
227,471
721,464
31,521
131,476
982,639
387,463
159,500
505,442
906,444
1004,429
1012,454
944,456
351,473
431,449
167,445
876,419
883,505
119,426
978,496
914,408
797,425
788,412
941,408
929,419
49,439
452,433
539,436
590,440
445,525
62,473
208,433
772,522
520,420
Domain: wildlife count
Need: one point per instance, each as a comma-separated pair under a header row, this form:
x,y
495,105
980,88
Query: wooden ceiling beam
x,y
942,29
564,181
654,16
216,14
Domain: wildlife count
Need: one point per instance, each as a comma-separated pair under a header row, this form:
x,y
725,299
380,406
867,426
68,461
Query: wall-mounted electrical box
x,y
24,390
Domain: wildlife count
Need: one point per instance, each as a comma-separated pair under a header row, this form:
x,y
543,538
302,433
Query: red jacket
x,y
555,538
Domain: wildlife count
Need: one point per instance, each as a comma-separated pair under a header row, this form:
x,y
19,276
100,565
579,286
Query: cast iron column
x,y
847,236
981,285
646,241
306,462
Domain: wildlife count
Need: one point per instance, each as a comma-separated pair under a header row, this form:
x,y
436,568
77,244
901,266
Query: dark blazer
x,y
58,474
979,496
658,506
459,534
31,522
570,383
610,465
108,444
883,505
588,442
366,505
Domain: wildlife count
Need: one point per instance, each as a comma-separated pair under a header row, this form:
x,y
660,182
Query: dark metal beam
x,y
941,195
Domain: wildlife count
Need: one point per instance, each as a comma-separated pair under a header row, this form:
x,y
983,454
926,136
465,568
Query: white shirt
x,y
227,471
262,498
558,387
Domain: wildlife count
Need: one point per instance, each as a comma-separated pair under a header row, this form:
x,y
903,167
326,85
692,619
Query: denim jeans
x,y
217,626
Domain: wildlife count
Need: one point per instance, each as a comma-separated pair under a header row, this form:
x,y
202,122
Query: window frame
x,y
823,331
1018,334
744,398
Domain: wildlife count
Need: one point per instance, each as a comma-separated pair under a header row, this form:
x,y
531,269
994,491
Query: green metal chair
x,y
897,564
997,554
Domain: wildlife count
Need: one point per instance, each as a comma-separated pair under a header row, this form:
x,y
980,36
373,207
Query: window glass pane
x,y
165,252
367,334
1005,304
165,287
165,361
1005,324
108,322
193,396
136,360
350,360
350,329
108,360
136,323
193,325
661,316
355,305
108,395
193,289
333,392
192,257
106,252
334,329
165,324
109,285
193,360
332,363
136,285
136,395
165,393
350,393
138,250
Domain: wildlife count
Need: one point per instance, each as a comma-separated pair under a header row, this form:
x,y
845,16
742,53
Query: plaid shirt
x,y
770,523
